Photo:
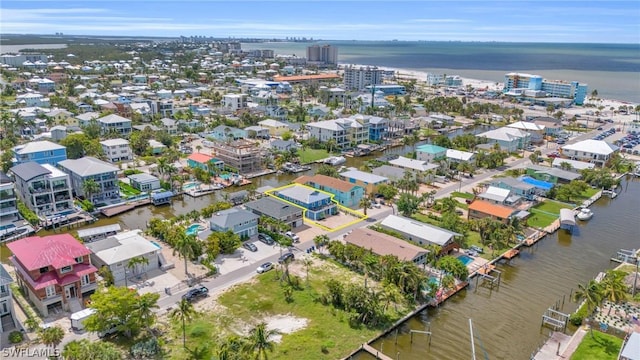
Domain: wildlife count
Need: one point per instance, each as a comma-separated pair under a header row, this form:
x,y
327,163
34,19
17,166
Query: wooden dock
x,y
119,209
510,254
373,351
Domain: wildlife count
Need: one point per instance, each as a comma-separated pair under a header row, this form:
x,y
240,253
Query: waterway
x,y
507,320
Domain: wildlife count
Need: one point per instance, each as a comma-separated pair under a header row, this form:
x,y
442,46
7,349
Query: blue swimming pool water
x,y
193,229
189,186
537,183
225,176
434,280
466,260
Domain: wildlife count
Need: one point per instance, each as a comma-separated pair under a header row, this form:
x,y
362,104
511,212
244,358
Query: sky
x,y
475,20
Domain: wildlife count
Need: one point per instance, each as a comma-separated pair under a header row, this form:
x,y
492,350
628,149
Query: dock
x,y
371,350
122,208
560,346
510,254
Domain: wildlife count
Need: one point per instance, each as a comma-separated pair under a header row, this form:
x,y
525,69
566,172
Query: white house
x,y
234,102
508,138
117,150
412,164
576,165
276,128
595,151
144,182
344,131
7,313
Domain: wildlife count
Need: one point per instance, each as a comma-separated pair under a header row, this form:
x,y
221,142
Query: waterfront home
x,y
480,209
116,150
317,204
499,196
368,181
459,156
343,132
7,313
169,125
551,174
98,233
430,153
516,186
242,156
392,173
43,188
276,128
508,138
242,222
378,128
345,193
383,244
8,203
277,209
422,233
573,165
89,168
116,251
144,182
114,123
55,272
598,152
283,145
417,167
227,133
41,152
205,162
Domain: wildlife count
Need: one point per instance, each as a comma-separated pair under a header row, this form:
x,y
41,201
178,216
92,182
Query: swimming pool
x,y
193,229
537,183
466,260
225,176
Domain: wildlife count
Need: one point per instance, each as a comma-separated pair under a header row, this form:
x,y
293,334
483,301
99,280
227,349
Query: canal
x,y
507,320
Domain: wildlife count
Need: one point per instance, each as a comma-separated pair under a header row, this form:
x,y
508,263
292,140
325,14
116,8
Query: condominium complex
x,y
43,188
531,85
359,77
324,55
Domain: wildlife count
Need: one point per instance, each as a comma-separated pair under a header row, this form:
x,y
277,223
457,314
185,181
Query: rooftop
x,y
37,146
29,170
273,207
113,119
383,244
114,142
419,230
591,146
365,177
326,181
36,252
303,194
491,209
227,219
88,166
122,247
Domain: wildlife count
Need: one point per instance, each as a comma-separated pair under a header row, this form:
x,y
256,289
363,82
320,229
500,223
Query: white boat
x,y
335,160
584,214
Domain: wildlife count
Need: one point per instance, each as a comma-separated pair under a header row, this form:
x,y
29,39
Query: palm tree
x,y
306,262
364,203
138,260
320,241
185,246
198,353
591,293
183,312
90,187
144,309
258,342
52,336
613,287
330,144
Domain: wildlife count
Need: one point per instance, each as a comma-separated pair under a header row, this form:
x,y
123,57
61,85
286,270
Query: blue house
x,y
345,193
42,152
242,222
318,204
225,133
517,187
430,152
377,128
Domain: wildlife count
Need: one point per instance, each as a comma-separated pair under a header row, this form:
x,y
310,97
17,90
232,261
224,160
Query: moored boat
x,y
584,214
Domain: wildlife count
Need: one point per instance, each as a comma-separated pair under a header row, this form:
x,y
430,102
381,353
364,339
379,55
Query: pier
x,y
122,208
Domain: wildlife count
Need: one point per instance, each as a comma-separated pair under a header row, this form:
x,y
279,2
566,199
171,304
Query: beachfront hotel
x,y
531,86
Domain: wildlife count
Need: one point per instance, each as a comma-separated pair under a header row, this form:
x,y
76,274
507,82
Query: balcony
x,y
89,287
48,300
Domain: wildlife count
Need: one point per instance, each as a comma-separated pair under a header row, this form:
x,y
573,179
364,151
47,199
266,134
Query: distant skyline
x,y
511,21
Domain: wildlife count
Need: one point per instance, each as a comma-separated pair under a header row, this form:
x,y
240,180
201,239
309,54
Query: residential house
x,y
115,123
89,168
116,150
344,132
382,244
516,187
116,251
242,222
156,147
378,128
41,152
278,210
234,102
431,153
227,133
85,119
369,182
508,138
62,117
8,318
58,132
276,128
422,233
55,272
32,99
345,193
283,145
242,156
480,209
317,204
598,152
43,188
169,125
144,182
257,132
205,162
333,95
552,126
8,203
392,173
459,156
500,196
98,233
420,168
551,174
573,165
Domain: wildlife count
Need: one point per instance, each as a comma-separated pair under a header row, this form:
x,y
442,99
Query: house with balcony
x,y
480,209
431,153
508,138
55,272
317,204
242,156
116,150
169,125
345,193
41,152
205,162
344,132
276,128
8,319
278,210
33,99
115,123
234,102
144,182
44,189
242,222
227,133
8,203
378,128
90,168
516,187
598,152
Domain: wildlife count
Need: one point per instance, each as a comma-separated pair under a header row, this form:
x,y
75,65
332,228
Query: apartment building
x,y
117,150
54,271
243,156
115,123
43,188
41,152
359,77
555,88
234,102
90,168
322,55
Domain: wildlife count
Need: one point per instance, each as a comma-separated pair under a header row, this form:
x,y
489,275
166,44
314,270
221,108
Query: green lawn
x,y
545,213
464,195
311,155
551,206
128,190
327,334
600,347
540,220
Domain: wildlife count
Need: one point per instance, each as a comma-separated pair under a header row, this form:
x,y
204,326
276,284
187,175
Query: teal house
x,y
345,193
205,162
431,153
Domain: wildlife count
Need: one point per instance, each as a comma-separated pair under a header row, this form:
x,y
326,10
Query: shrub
x,y
145,349
131,172
15,337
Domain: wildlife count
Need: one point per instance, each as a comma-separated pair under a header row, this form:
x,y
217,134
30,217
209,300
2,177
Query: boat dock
x,y
121,208
511,253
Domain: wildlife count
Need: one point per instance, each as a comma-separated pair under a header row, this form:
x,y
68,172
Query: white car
x,y
292,236
264,267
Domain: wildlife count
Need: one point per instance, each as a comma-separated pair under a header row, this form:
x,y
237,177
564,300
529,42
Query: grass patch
x,y
464,195
601,346
540,220
311,155
128,190
587,194
327,334
550,206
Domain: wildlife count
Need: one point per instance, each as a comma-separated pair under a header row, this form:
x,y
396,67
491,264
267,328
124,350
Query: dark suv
x,y
286,257
196,293
265,239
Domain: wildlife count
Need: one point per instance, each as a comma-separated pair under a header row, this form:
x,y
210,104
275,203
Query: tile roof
x,y
486,207
326,181
383,244
200,158
36,252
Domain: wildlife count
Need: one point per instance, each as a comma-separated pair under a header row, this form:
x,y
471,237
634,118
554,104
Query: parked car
x,y
292,236
286,257
476,248
196,293
250,246
265,238
112,330
264,267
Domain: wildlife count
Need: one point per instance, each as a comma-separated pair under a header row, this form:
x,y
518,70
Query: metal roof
x,y
87,166
418,230
29,170
98,230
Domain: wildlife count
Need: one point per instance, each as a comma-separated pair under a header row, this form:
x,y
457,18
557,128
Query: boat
x,y
584,214
335,160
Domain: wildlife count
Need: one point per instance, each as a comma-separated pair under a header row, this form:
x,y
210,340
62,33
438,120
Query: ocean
x,y
612,69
